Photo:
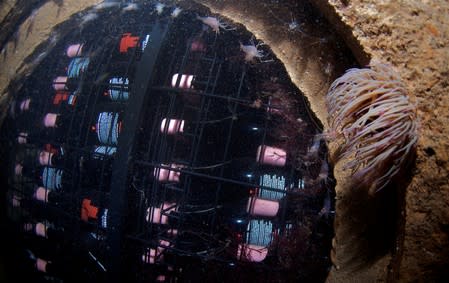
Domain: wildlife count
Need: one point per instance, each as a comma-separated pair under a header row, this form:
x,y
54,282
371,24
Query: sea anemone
x,y
370,113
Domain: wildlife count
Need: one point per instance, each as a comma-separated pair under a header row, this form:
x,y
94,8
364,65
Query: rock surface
x,y
413,36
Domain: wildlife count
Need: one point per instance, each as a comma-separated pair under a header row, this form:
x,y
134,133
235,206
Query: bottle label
x,y
108,127
272,181
77,66
127,42
118,88
277,182
104,219
51,178
103,150
145,42
71,100
60,96
260,232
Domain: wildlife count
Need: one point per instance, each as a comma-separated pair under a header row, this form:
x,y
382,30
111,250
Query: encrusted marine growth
x,y
370,112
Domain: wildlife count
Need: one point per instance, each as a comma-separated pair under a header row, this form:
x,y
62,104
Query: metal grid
x,y
92,102
186,202
168,150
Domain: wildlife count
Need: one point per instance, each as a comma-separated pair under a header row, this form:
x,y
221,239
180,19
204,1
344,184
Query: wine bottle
x,y
64,83
65,265
254,134
45,230
93,207
21,106
36,155
45,176
50,127
64,231
30,109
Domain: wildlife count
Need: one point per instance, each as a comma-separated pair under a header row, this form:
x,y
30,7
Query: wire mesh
x,y
208,168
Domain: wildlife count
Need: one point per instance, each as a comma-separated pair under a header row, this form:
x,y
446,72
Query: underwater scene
x,y
156,141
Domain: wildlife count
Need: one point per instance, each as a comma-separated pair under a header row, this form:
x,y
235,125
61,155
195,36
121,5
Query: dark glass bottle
x,y
49,127
47,155
45,230
30,112
45,176
90,207
65,83
23,106
261,156
198,143
256,134
76,49
91,164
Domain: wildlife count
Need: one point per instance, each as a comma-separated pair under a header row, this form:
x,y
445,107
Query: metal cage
x,y
149,149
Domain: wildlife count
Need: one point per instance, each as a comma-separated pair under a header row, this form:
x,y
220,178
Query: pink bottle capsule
x,y
41,229
262,207
174,126
41,194
41,265
155,215
45,157
74,50
198,45
50,120
25,104
18,169
59,83
152,254
22,138
167,175
184,82
252,253
271,155
16,200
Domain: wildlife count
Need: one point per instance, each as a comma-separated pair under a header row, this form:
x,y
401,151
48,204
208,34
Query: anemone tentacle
x,y
370,112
